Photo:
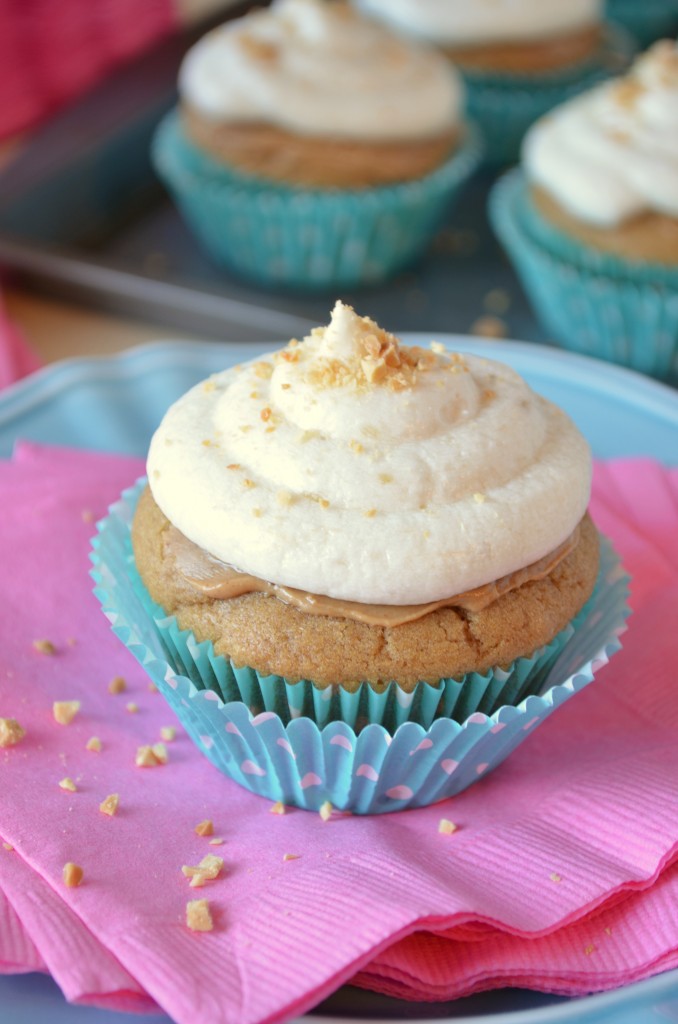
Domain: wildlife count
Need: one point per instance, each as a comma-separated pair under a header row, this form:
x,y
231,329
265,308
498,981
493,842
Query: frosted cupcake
x,y
592,221
312,146
518,59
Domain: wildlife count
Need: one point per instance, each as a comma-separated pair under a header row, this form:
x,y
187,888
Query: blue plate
x,y
114,404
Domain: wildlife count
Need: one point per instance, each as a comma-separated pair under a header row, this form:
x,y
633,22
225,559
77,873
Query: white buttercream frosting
x,y
347,466
319,68
612,153
473,22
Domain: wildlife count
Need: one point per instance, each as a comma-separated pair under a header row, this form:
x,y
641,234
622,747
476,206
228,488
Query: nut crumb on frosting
x,y
44,647
72,875
117,685
198,916
64,711
446,827
11,732
109,805
69,785
204,828
93,744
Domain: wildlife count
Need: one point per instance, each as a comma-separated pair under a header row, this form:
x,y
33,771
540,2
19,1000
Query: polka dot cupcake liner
x,y
588,301
368,770
303,237
505,105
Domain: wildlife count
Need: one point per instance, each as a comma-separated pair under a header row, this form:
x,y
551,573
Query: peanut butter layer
x,y
277,155
531,56
276,638
222,582
650,237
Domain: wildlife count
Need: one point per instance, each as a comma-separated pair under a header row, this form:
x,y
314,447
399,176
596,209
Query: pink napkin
x,y
559,877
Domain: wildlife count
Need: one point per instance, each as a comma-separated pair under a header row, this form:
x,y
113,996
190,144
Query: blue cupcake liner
x,y
504,106
646,20
587,301
276,234
303,763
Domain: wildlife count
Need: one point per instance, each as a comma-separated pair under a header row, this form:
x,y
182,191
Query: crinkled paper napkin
x,y
562,874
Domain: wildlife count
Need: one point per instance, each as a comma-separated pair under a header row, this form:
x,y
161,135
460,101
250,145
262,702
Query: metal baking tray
x,y
83,216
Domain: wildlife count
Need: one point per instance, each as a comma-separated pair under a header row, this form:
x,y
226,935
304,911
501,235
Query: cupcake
x,y
591,221
519,58
352,551
313,147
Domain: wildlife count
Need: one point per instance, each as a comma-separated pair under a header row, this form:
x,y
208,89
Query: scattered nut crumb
x,y
204,828
87,515
132,707
589,949
146,757
168,733
69,785
44,647
479,498
207,870
8,847
160,752
608,931
217,841
94,744
117,685
356,446
278,808
198,917
248,483
64,711
263,370
325,811
497,300
109,806
438,348
72,875
152,688
71,641
266,413
291,856
11,732
446,827
370,513
555,877
489,327
385,478
284,497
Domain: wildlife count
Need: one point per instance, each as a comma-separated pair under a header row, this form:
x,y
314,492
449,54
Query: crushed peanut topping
x,y
257,513
263,370
45,647
284,497
147,757
479,498
555,877
370,513
72,874
204,828
64,711
277,808
11,732
198,917
254,394
233,465
248,483
207,870
93,744
168,733
356,447
446,827
266,413
438,348
132,707
209,385
109,806
285,387
217,841
291,856
385,478
69,785
325,811
117,685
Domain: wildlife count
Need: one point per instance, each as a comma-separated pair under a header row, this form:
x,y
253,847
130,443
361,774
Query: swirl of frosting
x,y
463,23
612,153
354,467
317,68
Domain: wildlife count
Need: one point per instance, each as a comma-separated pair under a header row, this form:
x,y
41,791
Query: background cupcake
x,y
592,221
313,147
518,59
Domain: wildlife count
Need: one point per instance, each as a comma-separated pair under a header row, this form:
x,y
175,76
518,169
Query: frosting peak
x,y
318,68
356,467
612,153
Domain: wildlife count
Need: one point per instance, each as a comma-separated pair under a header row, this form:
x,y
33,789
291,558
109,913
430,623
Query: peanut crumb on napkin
x,y
69,785
204,828
207,870
87,515
64,711
152,688
198,917
168,733
325,811
94,744
291,856
109,806
72,875
555,877
151,756
132,707
278,808
44,647
589,949
217,841
8,847
446,827
10,732
117,685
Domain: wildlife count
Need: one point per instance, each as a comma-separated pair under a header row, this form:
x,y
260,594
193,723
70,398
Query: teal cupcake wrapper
x,y
588,302
299,761
645,20
301,237
504,106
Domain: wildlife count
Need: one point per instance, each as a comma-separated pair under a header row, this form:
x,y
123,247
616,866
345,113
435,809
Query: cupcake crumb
x,y
446,827
11,732
168,733
277,808
325,811
160,753
72,875
291,856
45,647
204,828
216,841
479,498
69,785
64,711
489,327
198,916
117,685
132,707
207,870
370,513
109,806
93,744
150,756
